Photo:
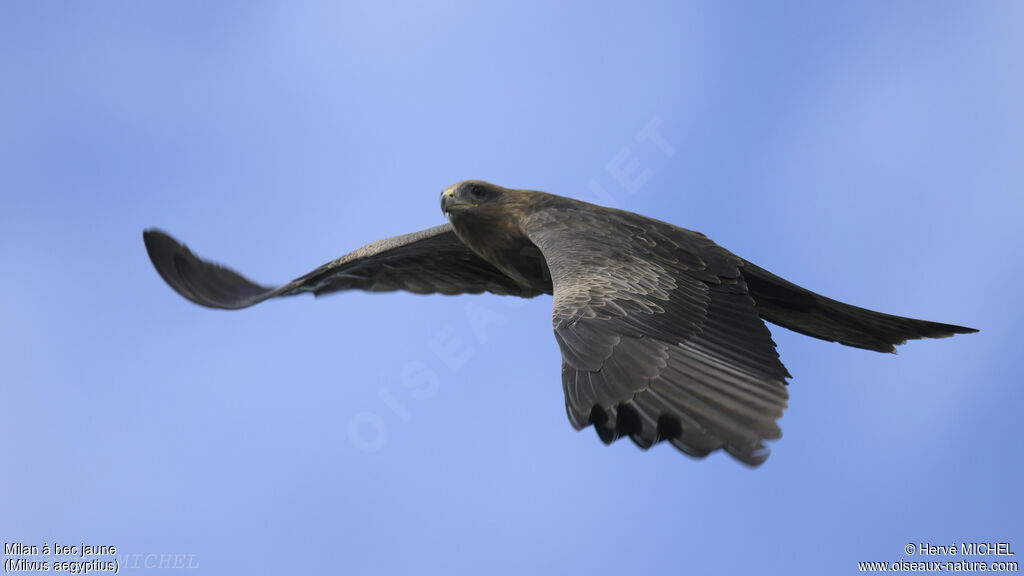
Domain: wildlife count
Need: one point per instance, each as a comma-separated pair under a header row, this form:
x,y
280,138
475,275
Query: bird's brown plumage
x,y
660,328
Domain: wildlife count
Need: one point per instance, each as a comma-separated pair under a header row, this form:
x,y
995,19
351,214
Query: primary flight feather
x,y
660,329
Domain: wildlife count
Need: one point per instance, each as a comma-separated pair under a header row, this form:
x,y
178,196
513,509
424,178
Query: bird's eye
x,y
477,192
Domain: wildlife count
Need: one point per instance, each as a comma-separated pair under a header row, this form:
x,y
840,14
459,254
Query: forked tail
x,y
790,306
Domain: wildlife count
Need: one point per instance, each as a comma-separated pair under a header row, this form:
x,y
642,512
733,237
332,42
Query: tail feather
x,y
790,306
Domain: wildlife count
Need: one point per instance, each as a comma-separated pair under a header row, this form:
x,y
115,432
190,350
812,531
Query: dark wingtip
x,y
198,280
938,330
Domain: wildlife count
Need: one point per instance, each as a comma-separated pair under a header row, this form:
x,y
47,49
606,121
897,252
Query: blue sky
x,y
869,151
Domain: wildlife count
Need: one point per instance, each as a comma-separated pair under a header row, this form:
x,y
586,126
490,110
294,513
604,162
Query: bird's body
x,y
660,328
502,241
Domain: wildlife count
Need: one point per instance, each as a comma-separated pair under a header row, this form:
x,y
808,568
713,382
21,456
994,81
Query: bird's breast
x,y
508,250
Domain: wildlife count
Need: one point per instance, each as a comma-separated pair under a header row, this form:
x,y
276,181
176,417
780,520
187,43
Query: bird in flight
x,y
661,330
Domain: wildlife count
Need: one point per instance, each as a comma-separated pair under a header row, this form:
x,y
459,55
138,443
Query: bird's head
x,y
472,198
484,215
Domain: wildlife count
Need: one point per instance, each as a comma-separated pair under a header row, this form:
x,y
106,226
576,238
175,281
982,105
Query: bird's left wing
x,y
424,262
660,339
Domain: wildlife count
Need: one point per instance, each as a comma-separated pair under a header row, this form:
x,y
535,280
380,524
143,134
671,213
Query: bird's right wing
x,y
424,262
660,339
